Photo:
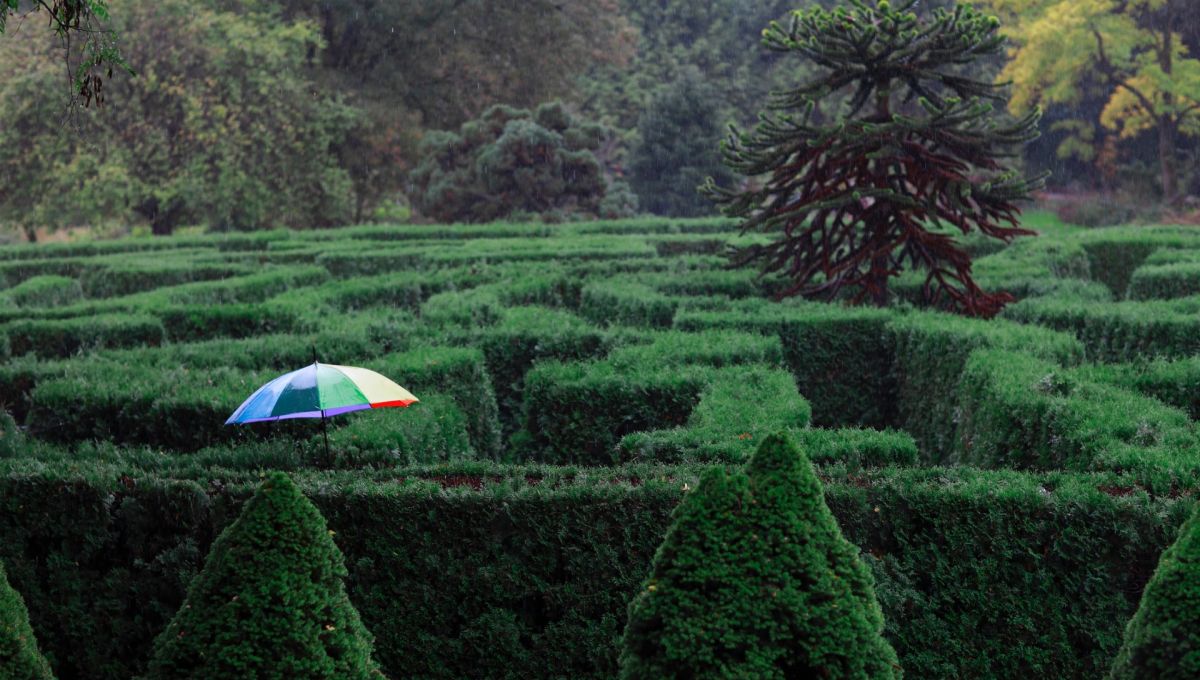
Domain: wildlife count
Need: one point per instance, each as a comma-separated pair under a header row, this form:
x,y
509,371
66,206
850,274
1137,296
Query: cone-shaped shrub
x,y
19,655
754,580
1162,641
270,602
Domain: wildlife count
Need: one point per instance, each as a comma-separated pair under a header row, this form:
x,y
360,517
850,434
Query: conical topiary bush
x,y
1162,641
270,602
754,580
19,655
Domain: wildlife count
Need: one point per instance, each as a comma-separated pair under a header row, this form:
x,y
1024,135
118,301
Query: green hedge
x,y
582,247
1021,412
576,413
841,357
738,408
59,338
1119,331
1115,254
179,407
126,279
468,308
714,348
628,304
192,323
359,262
496,572
45,291
433,430
1172,382
931,352
524,336
459,373
1165,281
237,290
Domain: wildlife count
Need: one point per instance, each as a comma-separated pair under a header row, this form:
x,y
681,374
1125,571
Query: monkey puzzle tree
x,y
873,164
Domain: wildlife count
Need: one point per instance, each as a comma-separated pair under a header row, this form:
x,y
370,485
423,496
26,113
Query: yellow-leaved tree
x,y
1141,53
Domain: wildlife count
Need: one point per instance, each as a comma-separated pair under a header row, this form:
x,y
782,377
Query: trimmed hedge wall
x,y
931,352
65,337
1172,382
738,408
1114,254
182,407
524,336
1165,281
576,413
1119,331
126,279
1021,412
496,572
45,291
629,304
842,358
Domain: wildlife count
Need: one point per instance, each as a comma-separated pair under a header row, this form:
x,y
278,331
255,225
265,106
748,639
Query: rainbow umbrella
x,y
320,391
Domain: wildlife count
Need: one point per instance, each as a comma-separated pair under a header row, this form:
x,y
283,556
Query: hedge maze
x,y
1011,483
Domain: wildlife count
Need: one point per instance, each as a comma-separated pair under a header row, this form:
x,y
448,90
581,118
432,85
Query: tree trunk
x,y
1167,134
30,232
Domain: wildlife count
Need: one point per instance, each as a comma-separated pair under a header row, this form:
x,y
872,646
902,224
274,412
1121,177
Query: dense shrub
x,y
433,430
630,304
361,262
709,348
468,308
270,602
524,336
679,134
1162,641
20,658
513,161
460,374
1174,382
1114,254
129,278
192,323
754,579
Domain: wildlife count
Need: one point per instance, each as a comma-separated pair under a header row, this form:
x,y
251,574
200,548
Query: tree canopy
x,y
871,165
1140,56
220,128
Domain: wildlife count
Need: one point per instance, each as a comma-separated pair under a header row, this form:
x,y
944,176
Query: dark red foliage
x,y
861,244
851,202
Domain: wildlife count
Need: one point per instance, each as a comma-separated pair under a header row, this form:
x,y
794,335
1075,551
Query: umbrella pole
x,y
325,434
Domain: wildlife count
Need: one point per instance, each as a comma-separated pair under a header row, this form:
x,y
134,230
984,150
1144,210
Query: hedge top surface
x,y
270,602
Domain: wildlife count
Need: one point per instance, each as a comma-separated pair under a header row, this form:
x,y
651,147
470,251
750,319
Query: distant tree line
x,y
243,115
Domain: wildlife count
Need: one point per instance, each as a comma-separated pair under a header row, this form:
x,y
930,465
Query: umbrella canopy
x,y
320,391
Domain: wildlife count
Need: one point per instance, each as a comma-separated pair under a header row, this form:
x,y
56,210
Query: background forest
x,y
243,114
